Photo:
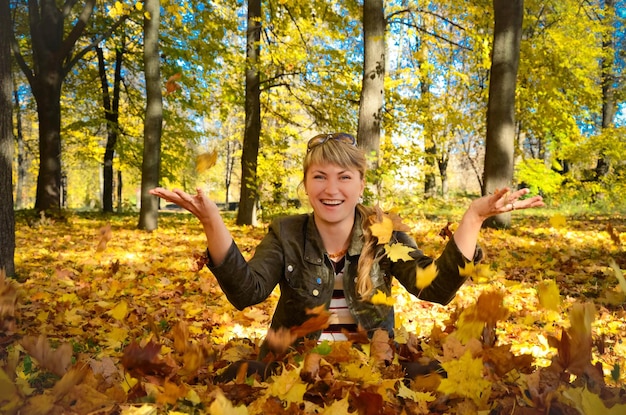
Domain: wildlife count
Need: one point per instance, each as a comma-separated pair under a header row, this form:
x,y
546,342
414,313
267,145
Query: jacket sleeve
x,y
246,283
448,280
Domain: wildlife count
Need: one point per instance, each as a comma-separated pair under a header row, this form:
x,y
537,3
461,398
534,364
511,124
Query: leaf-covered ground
x,y
106,319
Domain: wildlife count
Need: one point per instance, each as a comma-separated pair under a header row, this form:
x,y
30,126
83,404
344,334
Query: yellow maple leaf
x,y
361,373
119,311
288,386
558,221
398,252
338,407
382,298
479,272
382,230
222,406
548,295
588,402
205,161
415,396
465,378
425,276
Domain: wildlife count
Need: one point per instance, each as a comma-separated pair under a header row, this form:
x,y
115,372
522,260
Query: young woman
x,y
330,257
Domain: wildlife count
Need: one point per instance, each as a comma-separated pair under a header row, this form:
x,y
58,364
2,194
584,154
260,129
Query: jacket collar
x,y
314,247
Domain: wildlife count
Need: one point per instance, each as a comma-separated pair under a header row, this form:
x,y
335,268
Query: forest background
x,y
88,102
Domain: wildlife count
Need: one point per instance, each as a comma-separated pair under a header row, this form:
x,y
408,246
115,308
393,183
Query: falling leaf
x,y
318,321
140,361
478,272
618,274
280,339
398,252
171,85
465,378
558,221
8,300
205,161
425,276
382,299
105,236
445,232
548,294
398,225
382,230
55,360
490,308
614,234
10,399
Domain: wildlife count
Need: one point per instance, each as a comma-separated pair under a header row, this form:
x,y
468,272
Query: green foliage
x,y
539,178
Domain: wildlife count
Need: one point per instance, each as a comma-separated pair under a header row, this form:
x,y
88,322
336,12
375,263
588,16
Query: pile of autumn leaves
x,y
175,372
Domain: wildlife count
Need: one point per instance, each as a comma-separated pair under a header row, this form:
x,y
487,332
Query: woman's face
x,y
333,191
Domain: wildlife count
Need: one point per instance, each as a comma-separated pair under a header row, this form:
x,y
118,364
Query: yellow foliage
x,y
465,378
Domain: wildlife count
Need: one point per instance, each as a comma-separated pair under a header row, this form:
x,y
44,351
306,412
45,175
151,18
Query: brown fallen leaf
x,y
280,339
144,361
105,236
56,360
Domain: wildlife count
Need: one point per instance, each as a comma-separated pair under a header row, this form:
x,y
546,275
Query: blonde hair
x,y
350,157
336,152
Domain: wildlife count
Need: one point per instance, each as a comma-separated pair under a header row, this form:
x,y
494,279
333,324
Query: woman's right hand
x,y
199,205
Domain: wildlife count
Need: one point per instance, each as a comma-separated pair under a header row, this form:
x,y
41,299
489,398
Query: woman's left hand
x,y
503,201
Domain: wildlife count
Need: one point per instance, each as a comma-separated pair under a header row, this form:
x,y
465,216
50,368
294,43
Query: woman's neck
x,y
335,236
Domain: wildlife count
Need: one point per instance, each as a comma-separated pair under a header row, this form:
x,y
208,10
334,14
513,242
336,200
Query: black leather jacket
x,y
292,255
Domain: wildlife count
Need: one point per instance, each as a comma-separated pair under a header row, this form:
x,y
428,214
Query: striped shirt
x,y
341,318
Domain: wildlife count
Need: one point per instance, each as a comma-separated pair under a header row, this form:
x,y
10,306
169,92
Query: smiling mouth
x,y
332,202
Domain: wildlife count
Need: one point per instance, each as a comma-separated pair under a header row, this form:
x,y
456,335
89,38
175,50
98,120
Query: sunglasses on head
x,y
322,138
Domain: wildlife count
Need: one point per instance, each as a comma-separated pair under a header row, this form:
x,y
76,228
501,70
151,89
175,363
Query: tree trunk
x,y
373,88
51,54
148,214
7,214
501,106
442,163
246,215
430,179
119,191
111,115
21,163
608,89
